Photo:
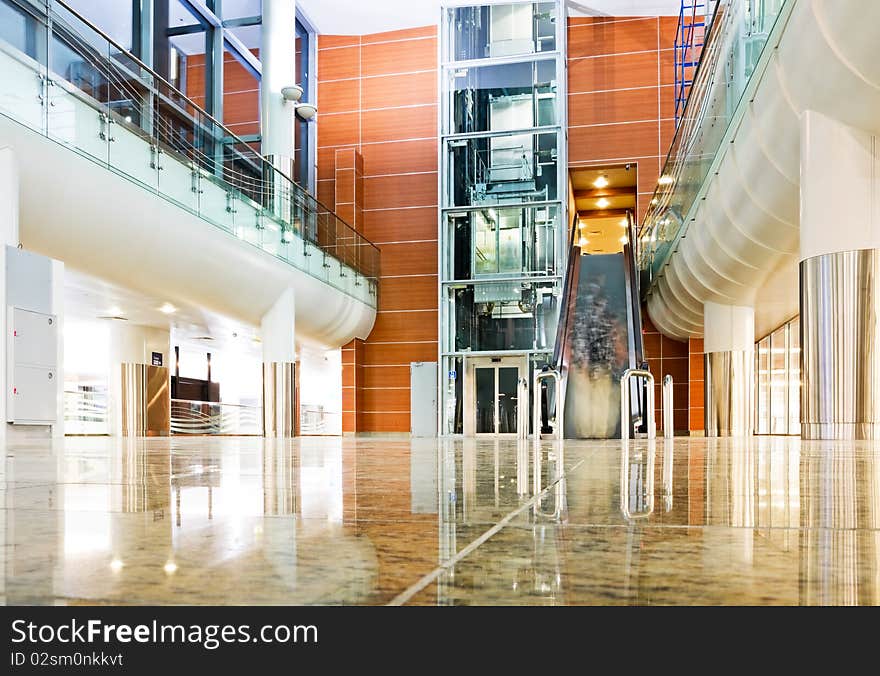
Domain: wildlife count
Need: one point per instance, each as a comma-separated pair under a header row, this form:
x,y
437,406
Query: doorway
x,y
493,394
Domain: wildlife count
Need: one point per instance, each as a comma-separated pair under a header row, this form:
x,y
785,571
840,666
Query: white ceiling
x,y
344,17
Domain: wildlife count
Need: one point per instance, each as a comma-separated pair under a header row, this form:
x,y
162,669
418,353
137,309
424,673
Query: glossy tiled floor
x,y
371,520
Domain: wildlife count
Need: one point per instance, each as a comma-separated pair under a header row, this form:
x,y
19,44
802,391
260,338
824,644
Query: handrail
x,y
203,124
625,402
214,403
725,75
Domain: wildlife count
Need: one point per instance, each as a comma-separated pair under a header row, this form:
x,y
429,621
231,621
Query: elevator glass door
x,y
496,399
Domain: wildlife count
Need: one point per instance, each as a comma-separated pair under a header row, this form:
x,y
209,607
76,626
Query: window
x,y
778,382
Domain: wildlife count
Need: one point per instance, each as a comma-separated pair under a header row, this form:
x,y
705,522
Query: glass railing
x,y
62,77
738,32
212,417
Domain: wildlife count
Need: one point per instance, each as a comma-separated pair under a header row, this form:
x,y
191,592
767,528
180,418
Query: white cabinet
x,y
32,367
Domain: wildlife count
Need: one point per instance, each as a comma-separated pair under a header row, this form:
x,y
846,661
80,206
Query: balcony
x,y
63,79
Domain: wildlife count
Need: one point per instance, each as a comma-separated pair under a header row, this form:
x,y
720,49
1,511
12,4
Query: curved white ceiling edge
x,y
343,17
100,223
748,253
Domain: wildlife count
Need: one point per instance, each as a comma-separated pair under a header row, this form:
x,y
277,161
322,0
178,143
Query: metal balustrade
x,y
85,92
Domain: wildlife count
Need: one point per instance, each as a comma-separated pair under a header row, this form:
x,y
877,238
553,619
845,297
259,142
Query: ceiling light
x,y
664,180
116,565
170,567
602,203
624,239
168,309
583,241
601,182
624,223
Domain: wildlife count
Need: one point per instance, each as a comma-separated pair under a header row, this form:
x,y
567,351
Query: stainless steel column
x,y
728,398
840,361
145,401
279,399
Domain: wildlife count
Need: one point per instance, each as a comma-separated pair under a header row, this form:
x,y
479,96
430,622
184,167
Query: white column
x,y
58,311
278,57
277,330
729,343
132,344
839,269
9,196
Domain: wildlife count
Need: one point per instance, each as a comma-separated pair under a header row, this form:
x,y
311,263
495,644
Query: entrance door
x,y
494,393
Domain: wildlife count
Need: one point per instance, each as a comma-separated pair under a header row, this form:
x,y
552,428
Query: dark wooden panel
x,y
628,105
397,225
341,129
412,258
389,91
339,64
400,157
613,141
385,400
340,96
399,353
404,326
398,124
408,293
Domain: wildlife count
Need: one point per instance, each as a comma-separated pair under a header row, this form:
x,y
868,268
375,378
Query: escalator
x,y
598,339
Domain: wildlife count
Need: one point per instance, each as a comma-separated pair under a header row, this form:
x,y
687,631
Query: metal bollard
x,y
625,402
668,418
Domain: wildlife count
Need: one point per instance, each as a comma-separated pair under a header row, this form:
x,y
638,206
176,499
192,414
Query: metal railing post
x,y
559,426
668,418
625,403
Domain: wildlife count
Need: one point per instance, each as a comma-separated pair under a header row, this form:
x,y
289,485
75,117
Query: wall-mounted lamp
x,y
306,111
293,94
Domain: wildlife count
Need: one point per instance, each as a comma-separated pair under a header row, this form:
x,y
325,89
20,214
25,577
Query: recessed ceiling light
x,y
170,567
116,565
602,203
624,223
624,239
601,182
167,308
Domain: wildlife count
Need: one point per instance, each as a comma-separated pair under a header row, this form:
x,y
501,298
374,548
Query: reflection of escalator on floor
x,y
599,337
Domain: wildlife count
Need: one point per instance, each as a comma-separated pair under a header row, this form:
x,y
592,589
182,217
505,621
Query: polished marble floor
x,y
769,520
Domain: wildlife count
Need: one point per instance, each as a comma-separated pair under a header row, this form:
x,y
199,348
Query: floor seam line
x,y
428,578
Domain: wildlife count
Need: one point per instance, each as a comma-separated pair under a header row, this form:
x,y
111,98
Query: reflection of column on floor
x,y
839,268
839,518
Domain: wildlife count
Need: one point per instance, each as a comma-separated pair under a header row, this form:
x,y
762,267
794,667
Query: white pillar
x,y
729,343
9,195
278,57
839,268
277,330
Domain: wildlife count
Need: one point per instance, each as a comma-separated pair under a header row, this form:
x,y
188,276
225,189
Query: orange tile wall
x,y
241,92
377,94
620,94
621,110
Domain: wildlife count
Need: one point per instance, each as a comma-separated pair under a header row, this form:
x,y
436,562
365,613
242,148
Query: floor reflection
x,y
768,520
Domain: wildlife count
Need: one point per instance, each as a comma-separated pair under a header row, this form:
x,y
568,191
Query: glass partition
x,y
501,97
500,30
504,315
502,168
778,382
738,33
91,96
498,241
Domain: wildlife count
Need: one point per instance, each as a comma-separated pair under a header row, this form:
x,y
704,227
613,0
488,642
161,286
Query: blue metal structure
x,y
689,40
